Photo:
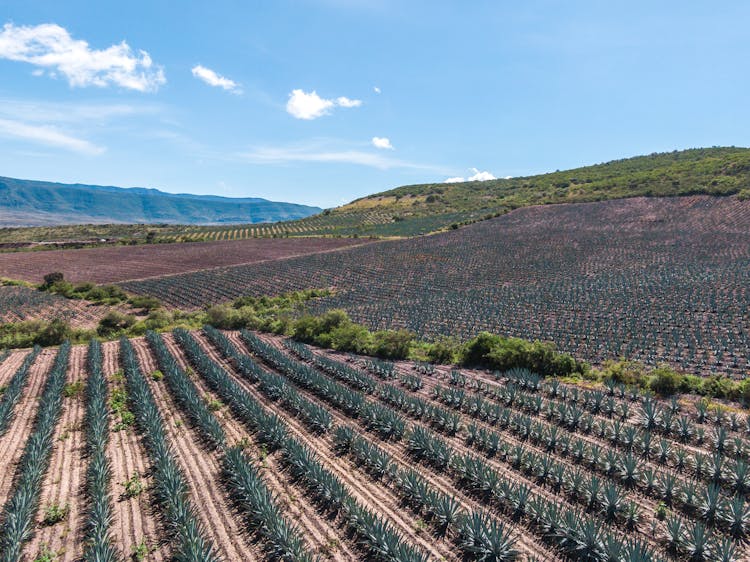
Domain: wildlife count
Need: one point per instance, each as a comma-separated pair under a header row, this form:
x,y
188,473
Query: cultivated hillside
x,y
654,279
422,209
36,203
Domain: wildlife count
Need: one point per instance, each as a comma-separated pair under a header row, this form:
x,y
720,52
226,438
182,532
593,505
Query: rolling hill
x,y
426,208
37,203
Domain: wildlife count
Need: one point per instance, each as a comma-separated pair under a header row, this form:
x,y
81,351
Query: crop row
x,y
576,533
99,546
376,536
282,540
170,488
640,437
13,391
19,510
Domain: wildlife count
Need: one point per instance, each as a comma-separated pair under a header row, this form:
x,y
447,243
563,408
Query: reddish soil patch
x,y
125,263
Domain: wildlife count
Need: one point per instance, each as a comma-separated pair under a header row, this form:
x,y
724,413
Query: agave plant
x,y
611,501
696,543
736,516
482,538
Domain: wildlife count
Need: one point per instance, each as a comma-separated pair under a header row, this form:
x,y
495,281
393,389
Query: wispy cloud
x,y
211,78
383,143
47,135
477,176
325,153
40,111
52,49
303,105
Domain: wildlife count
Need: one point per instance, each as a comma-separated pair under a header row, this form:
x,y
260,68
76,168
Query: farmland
x,y
652,279
18,303
424,208
254,447
120,263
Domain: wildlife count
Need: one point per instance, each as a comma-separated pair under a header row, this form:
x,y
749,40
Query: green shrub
x,y
114,323
664,381
73,389
444,350
145,303
53,333
392,344
499,353
718,386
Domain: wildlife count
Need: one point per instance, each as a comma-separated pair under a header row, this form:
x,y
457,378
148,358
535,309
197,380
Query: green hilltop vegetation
x,y
421,209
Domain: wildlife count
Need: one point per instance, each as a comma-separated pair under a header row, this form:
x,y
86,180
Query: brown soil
x,y
10,365
135,520
124,263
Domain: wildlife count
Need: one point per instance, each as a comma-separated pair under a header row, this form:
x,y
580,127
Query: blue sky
x,y
321,102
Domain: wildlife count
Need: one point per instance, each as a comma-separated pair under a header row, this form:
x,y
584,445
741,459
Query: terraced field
x,y
653,279
235,446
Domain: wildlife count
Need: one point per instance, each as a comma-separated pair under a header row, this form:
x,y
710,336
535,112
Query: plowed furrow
x,y
10,365
134,520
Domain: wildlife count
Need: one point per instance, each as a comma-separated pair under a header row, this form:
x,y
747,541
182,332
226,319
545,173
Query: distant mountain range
x,y
38,203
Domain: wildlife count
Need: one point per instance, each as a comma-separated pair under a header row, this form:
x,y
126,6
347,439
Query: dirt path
x,y
134,520
325,538
63,484
202,473
10,365
14,440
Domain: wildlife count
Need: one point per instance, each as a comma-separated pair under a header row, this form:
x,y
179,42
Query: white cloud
x,y
46,135
302,105
40,111
376,89
382,142
346,102
481,176
52,49
216,80
478,176
323,152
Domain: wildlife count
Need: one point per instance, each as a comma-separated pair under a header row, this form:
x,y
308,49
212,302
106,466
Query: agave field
x,y
664,279
24,303
212,445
